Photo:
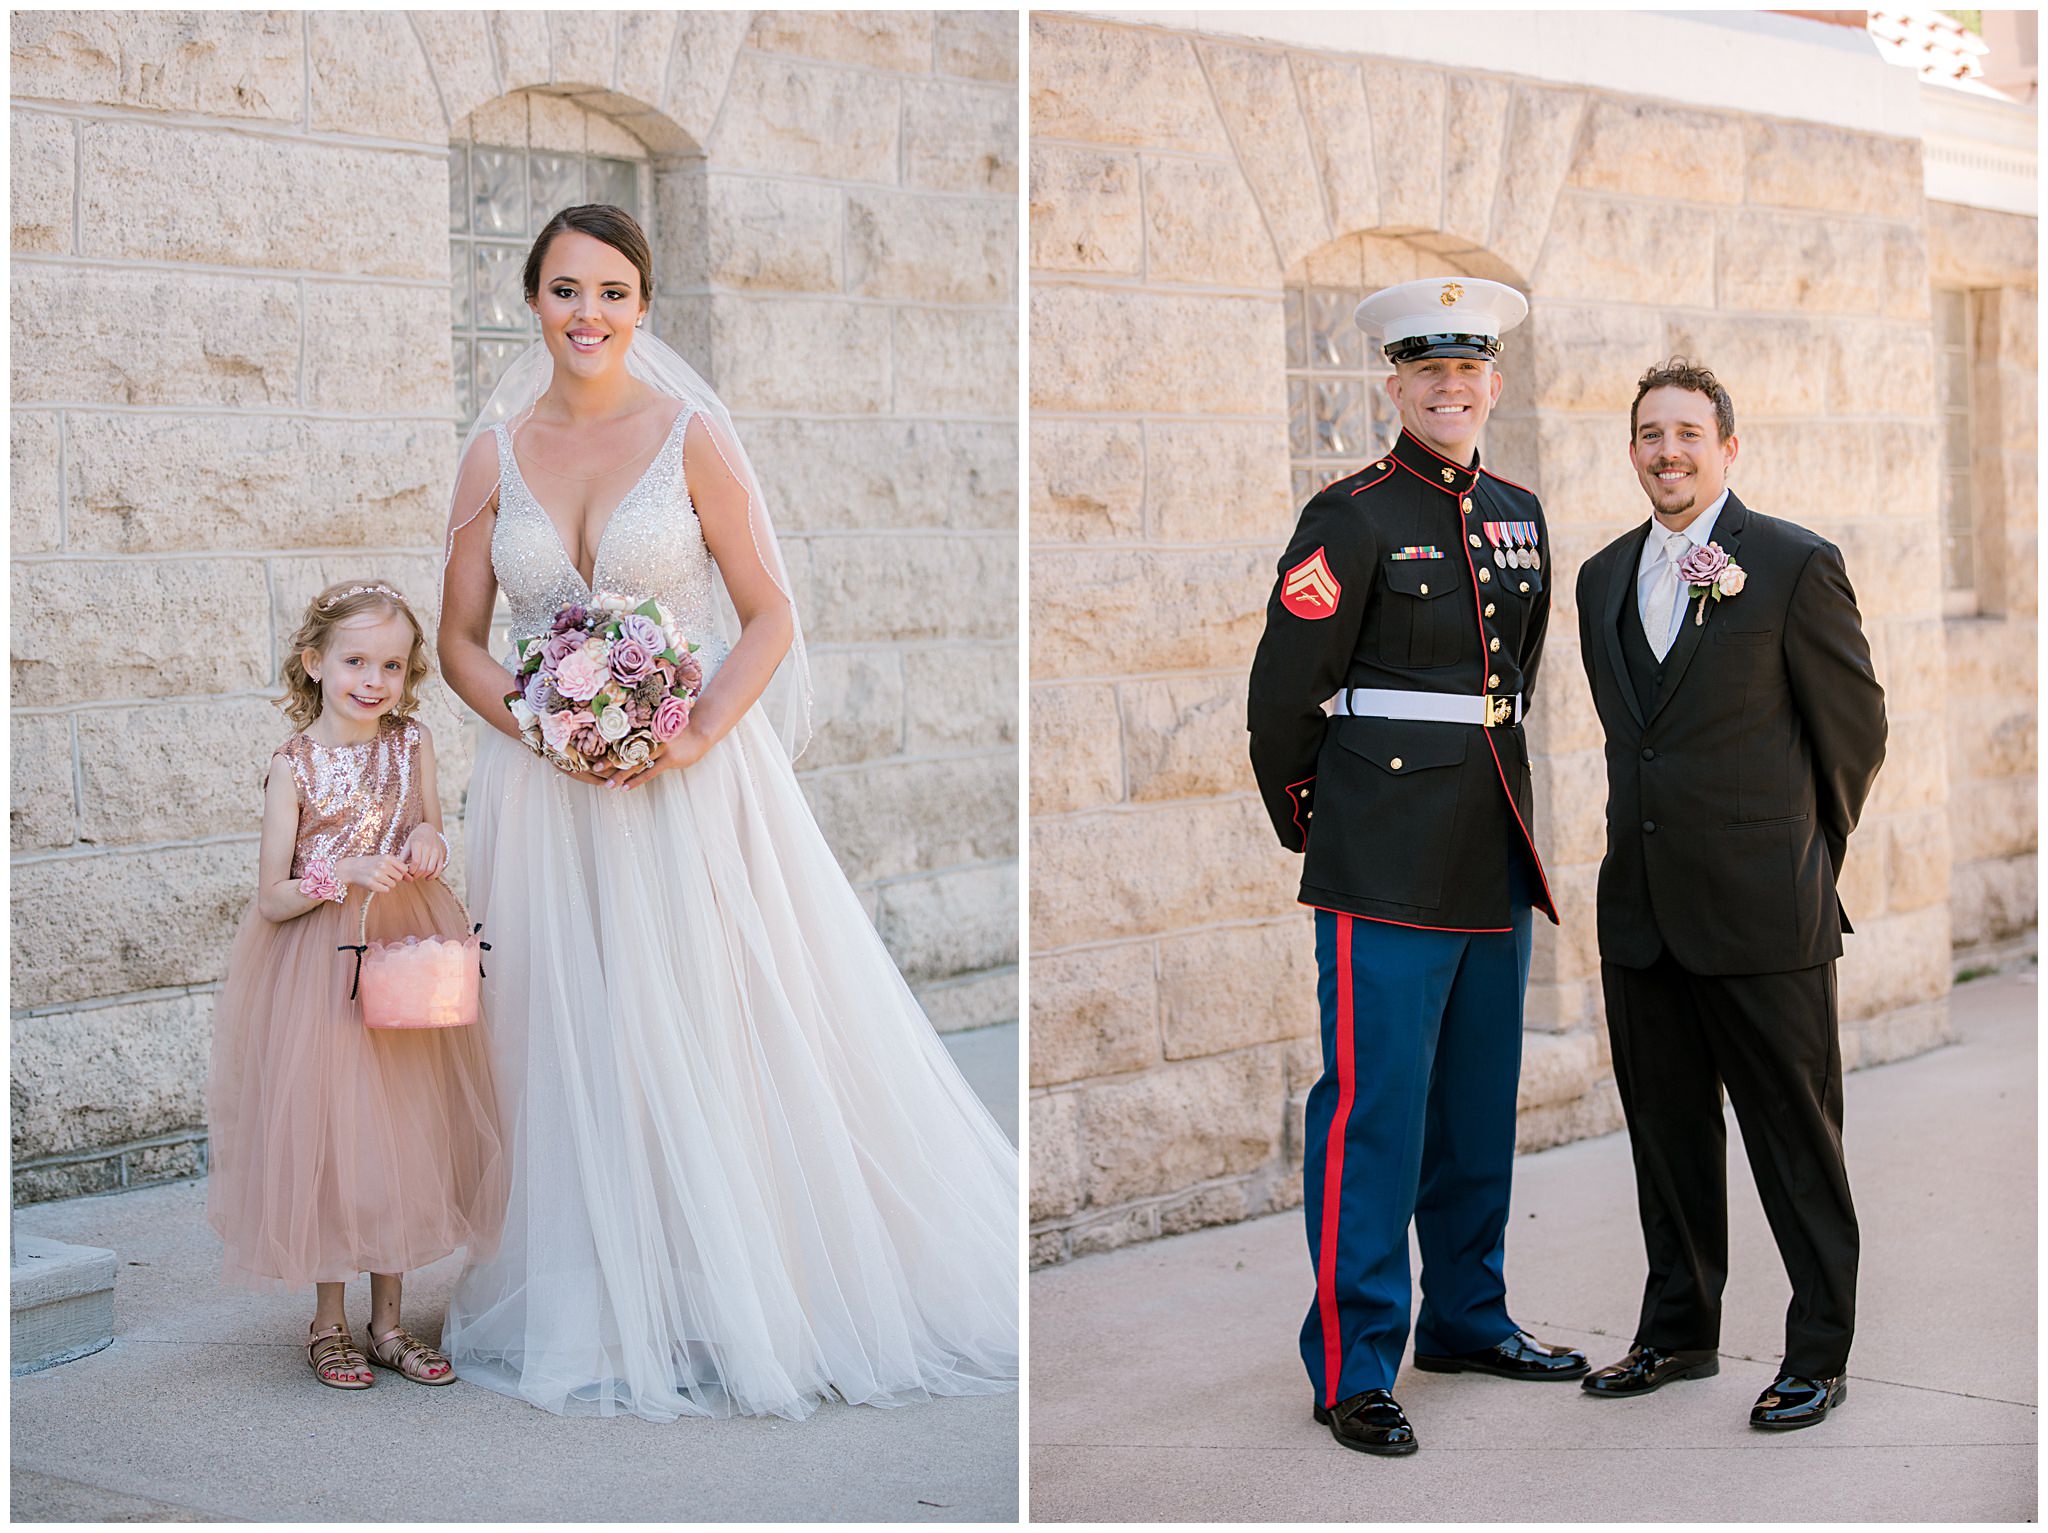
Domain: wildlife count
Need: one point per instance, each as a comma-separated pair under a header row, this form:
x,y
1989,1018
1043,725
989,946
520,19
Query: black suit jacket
x,y
1732,793
1390,581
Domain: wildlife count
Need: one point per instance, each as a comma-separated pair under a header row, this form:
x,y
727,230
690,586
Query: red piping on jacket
x,y
1294,804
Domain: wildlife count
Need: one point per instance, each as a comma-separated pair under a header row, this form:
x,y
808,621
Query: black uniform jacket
x,y
1731,791
1391,581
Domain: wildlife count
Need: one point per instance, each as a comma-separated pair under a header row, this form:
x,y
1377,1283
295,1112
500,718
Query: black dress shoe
x,y
1521,1356
1797,1402
1648,1368
1372,1423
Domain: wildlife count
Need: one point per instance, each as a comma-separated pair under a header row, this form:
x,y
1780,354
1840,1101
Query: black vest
x,y
1645,670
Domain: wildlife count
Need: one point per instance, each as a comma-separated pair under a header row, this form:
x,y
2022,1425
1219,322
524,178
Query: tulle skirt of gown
x,y
746,1175
339,1149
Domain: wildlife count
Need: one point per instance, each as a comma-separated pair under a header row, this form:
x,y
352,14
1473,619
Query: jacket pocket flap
x,y
1426,578
1744,635
1401,746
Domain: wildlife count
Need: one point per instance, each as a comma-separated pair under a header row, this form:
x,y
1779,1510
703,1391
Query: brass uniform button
x,y
1494,645
1525,584
1395,763
1425,588
1492,682
1466,504
1489,609
1486,575
1474,540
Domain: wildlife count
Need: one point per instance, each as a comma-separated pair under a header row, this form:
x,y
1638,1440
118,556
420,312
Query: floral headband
x,y
363,591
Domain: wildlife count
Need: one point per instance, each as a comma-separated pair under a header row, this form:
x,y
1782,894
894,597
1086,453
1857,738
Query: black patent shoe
x,y
1796,1402
1371,1423
1648,1368
1521,1356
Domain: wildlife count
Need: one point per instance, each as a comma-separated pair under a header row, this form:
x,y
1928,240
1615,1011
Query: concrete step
x,y
63,1298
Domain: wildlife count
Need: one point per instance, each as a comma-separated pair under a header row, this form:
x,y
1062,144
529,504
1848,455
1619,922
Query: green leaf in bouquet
x,y
649,609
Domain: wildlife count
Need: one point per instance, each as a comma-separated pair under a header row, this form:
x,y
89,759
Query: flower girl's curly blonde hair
x,y
332,607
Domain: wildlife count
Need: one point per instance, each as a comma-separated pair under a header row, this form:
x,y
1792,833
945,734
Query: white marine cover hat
x,y
1441,317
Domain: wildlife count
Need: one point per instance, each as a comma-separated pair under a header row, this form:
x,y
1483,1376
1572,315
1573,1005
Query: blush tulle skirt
x,y
337,1149
746,1177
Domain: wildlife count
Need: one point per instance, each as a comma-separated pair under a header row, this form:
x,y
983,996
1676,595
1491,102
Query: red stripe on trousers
x,y
1333,1170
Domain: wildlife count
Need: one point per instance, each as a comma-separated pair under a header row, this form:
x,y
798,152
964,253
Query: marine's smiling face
x,y
1444,401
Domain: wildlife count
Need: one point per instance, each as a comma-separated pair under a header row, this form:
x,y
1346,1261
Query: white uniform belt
x,y
1435,707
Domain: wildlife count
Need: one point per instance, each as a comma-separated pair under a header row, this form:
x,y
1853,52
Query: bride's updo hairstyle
x,y
601,221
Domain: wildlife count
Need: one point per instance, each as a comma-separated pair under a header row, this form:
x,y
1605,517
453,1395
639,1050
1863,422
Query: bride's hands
x,y
686,749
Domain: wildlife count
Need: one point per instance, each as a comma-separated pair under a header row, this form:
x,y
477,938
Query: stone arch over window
x,y
1338,414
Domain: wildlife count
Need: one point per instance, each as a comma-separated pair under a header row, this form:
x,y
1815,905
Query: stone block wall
x,y
1993,697
1178,183
231,385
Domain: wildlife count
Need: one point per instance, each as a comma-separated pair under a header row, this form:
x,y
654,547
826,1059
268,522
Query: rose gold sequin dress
x,y
337,1149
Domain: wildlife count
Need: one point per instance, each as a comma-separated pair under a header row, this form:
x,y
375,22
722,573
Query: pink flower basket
x,y
419,981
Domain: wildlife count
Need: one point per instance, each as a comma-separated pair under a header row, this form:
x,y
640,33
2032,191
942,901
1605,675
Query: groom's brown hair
x,y
1678,373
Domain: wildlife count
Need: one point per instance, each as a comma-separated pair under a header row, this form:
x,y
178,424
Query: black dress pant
x,y
1772,1039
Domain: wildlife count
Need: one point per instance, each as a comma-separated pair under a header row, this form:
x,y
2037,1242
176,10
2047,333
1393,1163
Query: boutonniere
x,y
1711,573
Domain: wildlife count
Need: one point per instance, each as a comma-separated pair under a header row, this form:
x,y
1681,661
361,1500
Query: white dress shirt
x,y
1701,531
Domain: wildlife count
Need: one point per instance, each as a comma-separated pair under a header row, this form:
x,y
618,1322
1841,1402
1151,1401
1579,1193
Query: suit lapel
x,y
1728,533
1621,584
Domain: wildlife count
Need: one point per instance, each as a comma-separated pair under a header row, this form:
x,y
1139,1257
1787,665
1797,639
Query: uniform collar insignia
x,y
1434,468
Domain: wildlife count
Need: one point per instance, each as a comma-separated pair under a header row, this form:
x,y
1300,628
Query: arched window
x,y
1339,417
511,166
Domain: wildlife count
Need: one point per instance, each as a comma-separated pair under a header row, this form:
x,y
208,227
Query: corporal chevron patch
x,y
1309,590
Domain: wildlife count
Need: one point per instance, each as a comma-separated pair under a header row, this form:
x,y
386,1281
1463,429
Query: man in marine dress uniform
x,y
1744,729
1414,594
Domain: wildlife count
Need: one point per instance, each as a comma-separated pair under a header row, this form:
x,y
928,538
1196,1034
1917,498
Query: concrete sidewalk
x,y
203,1410
1165,1382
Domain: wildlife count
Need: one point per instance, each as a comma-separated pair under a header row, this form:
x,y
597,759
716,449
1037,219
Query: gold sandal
x,y
335,1349
402,1352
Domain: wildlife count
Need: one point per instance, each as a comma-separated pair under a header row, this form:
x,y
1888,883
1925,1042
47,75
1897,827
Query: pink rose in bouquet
x,y
670,718
609,684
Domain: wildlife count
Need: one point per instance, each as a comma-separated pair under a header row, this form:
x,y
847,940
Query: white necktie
x,y
1664,593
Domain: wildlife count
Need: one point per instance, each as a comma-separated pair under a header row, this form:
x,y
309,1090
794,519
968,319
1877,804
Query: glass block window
x,y
1338,413
1952,372
499,195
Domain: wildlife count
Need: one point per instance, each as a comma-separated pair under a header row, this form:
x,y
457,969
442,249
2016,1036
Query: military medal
x,y
1535,553
1515,556
1492,530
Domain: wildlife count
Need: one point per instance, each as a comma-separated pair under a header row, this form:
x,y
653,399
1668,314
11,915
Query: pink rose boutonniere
x,y
1711,573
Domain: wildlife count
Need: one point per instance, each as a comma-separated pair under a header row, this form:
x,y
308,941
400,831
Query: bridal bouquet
x,y
612,680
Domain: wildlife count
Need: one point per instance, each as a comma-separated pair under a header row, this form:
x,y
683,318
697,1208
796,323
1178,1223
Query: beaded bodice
x,y
652,546
355,800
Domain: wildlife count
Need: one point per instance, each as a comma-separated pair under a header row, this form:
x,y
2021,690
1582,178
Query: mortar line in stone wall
x,y
905,646
1001,200
77,778
1179,803
979,865
732,73
872,71
138,849
167,556
301,290
77,188
1240,923
427,61
306,70
206,269
274,129
618,48
842,534
1219,673
1164,418
1106,282
895,305
827,417
1237,152
1149,151
927,758
1155,546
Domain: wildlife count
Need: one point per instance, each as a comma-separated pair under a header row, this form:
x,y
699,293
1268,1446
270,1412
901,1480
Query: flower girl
x,y
336,1148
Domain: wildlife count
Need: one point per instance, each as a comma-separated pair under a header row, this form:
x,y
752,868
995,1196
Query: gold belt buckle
x,y
1496,711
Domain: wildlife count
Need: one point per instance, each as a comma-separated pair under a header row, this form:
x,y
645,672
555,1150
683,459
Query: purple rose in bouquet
x,y
631,661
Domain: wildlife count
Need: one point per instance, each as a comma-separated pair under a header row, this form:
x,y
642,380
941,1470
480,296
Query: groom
x,y
1744,728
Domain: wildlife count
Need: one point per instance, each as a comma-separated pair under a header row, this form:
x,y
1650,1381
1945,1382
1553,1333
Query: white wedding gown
x,y
746,1176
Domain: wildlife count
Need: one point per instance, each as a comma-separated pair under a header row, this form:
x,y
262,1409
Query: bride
x,y
745,1175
